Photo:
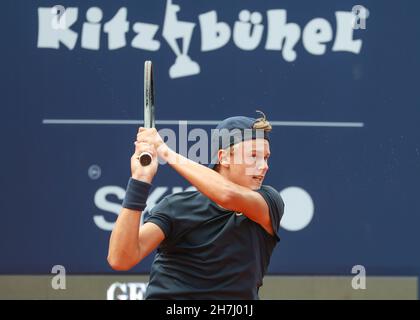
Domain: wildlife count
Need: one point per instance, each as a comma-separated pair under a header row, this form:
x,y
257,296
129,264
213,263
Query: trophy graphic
x,y
174,29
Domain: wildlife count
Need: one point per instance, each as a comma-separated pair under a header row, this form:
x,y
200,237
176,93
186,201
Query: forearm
x,y
209,182
124,250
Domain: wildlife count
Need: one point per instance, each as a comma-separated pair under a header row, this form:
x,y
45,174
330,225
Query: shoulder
x,y
172,213
181,196
271,192
183,200
272,197
275,205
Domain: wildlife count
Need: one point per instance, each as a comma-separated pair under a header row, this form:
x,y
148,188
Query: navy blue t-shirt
x,y
209,252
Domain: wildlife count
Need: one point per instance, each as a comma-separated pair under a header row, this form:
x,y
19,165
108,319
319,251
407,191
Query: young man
x,y
214,243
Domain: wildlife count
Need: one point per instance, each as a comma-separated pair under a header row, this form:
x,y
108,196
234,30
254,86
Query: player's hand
x,y
139,172
151,137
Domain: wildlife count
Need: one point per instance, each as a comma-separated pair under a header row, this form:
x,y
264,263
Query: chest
x,y
221,232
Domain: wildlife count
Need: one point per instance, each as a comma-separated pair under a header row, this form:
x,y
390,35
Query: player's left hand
x,y
151,137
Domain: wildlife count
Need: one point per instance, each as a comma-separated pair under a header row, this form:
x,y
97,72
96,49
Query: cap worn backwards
x,y
234,130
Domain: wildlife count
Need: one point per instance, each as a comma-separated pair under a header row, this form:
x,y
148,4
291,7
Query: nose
x,y
263,165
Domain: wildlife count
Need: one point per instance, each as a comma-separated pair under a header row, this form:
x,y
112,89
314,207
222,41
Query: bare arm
x,y
130,243
224,192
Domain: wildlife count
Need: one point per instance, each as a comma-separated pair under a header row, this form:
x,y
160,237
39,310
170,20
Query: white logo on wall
x,y
298,213
174,29
102,203
55,28
298,210
126,291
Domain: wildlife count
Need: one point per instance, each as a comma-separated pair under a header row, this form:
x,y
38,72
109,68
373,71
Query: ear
x,y
222,155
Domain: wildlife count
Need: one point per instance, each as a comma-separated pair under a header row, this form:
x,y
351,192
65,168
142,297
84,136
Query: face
x,y
247,163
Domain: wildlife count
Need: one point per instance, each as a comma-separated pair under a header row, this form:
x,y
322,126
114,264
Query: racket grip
x,y
145,159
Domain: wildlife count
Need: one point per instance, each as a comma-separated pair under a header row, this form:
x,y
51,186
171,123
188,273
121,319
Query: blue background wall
x,y
364,181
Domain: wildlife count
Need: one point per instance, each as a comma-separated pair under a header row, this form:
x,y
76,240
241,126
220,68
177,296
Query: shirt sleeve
x,y
275,205
160,215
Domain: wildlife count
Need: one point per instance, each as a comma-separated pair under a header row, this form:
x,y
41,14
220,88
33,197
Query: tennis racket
x,y
149,107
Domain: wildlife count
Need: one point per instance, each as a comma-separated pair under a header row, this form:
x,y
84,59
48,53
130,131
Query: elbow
x,y
120,263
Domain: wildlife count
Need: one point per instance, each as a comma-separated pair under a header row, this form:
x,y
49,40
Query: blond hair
x,y
262,123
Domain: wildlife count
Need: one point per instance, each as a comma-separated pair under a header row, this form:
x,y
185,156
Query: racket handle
x,y
145,159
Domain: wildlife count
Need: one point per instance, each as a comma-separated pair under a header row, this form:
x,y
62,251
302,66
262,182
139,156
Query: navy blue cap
x,y
231,131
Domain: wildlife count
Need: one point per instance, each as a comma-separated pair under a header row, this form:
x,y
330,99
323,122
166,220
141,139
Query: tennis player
x,y
214,243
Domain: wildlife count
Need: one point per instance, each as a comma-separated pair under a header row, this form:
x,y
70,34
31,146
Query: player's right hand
x,y
139,172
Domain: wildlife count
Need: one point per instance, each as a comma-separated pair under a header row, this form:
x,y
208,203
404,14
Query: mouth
x,y
258,178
